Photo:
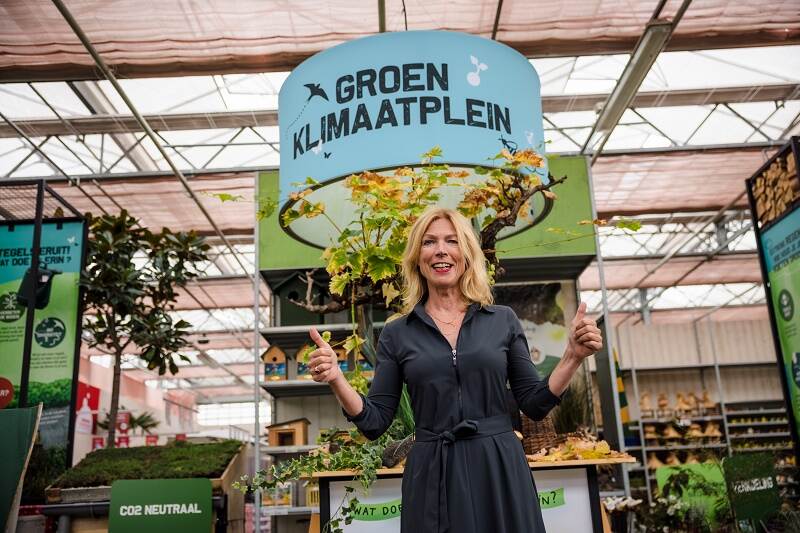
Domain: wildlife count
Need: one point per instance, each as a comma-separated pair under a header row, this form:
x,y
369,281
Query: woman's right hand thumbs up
x,y
323,362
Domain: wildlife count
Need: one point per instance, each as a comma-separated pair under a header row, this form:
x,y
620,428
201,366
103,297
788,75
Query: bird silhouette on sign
x,y
511,146
327,155
316,90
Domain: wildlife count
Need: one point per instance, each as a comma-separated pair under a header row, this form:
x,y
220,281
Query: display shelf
x,y
762,449
668,420
756,424
699,445
288,450
293,388
287,510
756,412
703,366
760,435
292,337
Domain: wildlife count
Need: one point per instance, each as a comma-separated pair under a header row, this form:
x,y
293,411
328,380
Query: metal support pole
x,y
33,289
256,366
644,307
610,340
718,377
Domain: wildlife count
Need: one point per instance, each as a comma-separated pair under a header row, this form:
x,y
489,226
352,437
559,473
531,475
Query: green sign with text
x,y
781,248
752,488
551,498
377,511
160,506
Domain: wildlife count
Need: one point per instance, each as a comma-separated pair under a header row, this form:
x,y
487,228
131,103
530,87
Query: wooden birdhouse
x,y
274,363
289,433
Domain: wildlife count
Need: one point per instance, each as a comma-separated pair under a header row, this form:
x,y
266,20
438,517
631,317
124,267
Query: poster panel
x,y
564,498
56,326
780,245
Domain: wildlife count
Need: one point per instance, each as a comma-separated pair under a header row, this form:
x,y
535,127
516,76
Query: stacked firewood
x,y
775,189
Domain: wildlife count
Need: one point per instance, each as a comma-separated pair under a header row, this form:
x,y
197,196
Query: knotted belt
x,y
436,490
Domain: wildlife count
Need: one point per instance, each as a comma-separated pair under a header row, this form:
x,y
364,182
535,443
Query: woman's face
x,y
440,259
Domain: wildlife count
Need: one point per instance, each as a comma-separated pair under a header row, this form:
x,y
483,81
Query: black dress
x,y
467,471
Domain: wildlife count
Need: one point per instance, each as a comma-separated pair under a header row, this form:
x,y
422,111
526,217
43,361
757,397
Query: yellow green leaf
x,y
339,283
390,292
379,267
289,216
353,343
225,197
628,224
337,260
305,351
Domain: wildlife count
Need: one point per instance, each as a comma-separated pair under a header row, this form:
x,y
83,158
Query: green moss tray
x,y
176,460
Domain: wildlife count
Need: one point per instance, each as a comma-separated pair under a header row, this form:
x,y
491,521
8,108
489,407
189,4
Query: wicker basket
x,y
538,435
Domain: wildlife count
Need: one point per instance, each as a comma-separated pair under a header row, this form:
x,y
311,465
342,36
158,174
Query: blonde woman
x,y
467,471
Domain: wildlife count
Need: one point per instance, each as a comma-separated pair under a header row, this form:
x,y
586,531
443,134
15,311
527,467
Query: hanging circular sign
x,y
380,102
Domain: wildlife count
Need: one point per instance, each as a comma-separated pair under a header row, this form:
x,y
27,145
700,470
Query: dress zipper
x,y
458,382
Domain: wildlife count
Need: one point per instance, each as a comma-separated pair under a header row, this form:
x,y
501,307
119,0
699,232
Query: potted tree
x,y
364,269
131,284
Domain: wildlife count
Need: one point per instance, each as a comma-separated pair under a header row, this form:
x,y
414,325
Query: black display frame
x,y
792,146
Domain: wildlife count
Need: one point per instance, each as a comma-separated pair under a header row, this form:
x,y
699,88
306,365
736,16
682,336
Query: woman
x,y
467,471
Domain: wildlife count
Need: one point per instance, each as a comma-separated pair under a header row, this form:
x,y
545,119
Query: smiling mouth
x,y
442,267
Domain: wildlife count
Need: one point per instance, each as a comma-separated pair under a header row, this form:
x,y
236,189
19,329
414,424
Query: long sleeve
x,y
531,391
380,403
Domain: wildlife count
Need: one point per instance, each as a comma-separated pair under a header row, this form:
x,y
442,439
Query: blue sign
x,y
381,102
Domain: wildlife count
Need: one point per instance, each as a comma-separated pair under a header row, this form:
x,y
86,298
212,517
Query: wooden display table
x,y
568,495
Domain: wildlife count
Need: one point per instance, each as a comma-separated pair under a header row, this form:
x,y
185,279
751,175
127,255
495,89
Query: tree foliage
x,y
130,287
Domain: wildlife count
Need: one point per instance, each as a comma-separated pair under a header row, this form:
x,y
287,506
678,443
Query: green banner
x,y
54,344
19,428
752,488
780,245
551,498
373,512
160,506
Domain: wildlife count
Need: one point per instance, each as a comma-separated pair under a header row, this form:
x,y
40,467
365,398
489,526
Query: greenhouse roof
x,y
720,98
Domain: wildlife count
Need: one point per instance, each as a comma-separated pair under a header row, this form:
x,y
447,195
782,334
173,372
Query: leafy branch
x,y
364,262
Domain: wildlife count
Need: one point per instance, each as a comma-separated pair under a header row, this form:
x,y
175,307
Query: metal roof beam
x,y
95,99
651,43
140,119
122,123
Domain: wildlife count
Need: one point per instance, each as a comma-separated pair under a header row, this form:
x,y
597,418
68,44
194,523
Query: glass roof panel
x,y
19,101
722,127
62,98
735,67
579,75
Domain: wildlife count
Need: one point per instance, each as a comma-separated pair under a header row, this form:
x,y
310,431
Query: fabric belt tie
x,y
436,515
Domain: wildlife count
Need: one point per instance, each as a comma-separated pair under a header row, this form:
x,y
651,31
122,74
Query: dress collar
x,y
420,313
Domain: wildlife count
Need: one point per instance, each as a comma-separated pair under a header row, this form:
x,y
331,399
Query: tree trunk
x,y
112,413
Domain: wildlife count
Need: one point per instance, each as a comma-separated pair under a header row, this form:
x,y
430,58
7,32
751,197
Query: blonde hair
x,y
474,283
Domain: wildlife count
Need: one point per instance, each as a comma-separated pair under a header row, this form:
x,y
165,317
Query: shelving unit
x,y
691,358
296,397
